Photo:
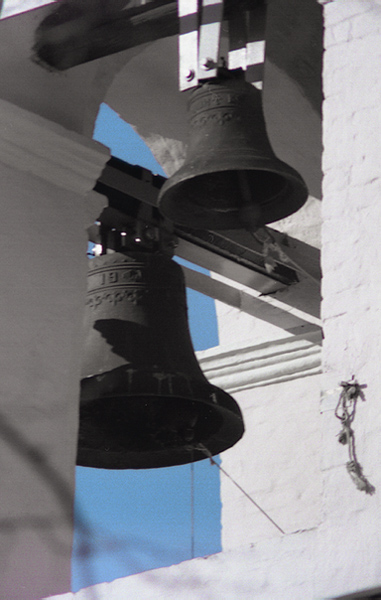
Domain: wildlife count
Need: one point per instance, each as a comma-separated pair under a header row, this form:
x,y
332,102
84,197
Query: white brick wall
x,y
351,252
277,462
349,538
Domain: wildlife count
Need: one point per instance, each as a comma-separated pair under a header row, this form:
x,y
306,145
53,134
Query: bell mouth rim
x,y
114,383
216,404
294,192
230,432
138,460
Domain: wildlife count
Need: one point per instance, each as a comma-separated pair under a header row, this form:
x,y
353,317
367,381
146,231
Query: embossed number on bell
x,y
144,400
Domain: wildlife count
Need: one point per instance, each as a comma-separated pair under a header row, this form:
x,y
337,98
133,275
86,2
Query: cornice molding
x,y
239,369
47,150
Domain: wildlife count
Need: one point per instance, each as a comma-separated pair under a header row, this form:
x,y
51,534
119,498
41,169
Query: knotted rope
x,y
345,411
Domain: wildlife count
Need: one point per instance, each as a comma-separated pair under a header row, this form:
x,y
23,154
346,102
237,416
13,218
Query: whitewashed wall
x,y
277,461
350,535
45,173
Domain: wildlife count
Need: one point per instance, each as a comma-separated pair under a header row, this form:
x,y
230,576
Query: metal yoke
x,y
200,24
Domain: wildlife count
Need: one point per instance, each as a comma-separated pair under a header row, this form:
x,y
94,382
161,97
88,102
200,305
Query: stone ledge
x,y
33,144
255,366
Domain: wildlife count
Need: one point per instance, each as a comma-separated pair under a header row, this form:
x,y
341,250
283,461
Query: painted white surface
x,y
351,262
43,273
70,98
15,7
277,462
249,367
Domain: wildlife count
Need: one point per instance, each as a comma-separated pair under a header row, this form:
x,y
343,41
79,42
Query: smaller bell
x,y
231,178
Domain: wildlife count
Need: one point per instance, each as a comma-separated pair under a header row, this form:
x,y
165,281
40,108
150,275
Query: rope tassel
x,y
345,411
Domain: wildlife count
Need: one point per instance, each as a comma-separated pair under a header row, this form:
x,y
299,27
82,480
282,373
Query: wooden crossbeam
x,y
77,32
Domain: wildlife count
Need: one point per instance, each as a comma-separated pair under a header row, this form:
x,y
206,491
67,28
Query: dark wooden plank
x,y
75,33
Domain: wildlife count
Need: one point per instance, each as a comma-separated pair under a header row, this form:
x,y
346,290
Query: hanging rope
x,y
192,508
345,411
213,462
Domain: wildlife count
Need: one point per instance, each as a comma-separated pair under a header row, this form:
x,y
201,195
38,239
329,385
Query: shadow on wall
x,y
292,92
48,527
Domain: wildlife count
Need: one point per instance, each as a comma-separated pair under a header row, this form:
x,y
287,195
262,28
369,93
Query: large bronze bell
x,y
144,399
231,178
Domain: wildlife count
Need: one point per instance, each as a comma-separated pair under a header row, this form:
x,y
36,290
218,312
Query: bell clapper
x,y
249,214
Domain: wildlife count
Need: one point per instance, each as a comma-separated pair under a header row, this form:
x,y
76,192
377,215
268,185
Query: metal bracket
x,y
210,34
199,40
188,43
200,24
246,50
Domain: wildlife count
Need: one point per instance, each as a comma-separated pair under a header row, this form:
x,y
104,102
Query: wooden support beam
x,y
263,307
77,32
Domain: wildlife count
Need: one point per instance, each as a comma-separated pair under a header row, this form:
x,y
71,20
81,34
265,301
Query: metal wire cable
x,y
213,462
192,508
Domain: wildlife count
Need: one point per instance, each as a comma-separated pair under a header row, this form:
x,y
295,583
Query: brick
x,y
338,34
366,171
366,23
335,180
341,301
339,10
